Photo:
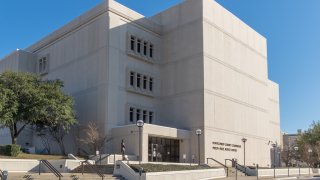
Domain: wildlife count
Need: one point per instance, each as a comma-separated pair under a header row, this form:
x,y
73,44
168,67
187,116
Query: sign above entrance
x,y
225,146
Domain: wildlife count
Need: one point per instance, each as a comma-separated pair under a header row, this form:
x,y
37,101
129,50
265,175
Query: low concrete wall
x,y
125,171
110,159
284,172
187,175
19,165
72,164
24,165
315,171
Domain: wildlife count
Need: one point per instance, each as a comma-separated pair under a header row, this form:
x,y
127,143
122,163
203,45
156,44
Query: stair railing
x,y
100,159
244,169
50,167
99,156
231,160
225,167
91,167
1,174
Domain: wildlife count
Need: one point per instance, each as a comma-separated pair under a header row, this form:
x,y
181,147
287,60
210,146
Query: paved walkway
x,y
266,178
66,176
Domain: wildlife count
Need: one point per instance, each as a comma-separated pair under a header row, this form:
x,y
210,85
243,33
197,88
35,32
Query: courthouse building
x,y
192,66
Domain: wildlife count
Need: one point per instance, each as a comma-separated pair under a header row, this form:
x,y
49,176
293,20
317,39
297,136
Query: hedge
x,y
10,150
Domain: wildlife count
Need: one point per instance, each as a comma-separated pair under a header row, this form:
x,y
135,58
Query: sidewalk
x,y
265,178
244,178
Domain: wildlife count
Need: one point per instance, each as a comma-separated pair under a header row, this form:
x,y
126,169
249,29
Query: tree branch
x,y
19,131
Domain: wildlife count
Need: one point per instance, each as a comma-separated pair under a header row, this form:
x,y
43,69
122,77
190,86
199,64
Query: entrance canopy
x,y
158,143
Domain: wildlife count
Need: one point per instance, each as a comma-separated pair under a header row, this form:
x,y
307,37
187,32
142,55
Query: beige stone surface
x,y
210,72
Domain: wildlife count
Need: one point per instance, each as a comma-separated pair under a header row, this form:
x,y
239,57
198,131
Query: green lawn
x,y
161,167
34,156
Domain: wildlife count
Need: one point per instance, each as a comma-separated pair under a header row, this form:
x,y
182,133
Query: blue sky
x,y
292,28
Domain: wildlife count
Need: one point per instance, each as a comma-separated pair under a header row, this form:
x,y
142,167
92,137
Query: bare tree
x,y
289,156
76,139
58,134
45,140
305,155
93,137
285,156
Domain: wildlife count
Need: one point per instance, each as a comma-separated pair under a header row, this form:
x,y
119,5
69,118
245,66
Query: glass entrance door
x,y
163,149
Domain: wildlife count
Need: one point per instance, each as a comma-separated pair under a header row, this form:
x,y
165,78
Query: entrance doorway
x,y
163,149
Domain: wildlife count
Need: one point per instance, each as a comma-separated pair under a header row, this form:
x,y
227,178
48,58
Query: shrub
x,y
13,150
10,150
3,150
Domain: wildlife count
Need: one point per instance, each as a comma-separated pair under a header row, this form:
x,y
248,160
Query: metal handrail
x,y
92,167
50,167
227,168
216,162
244,167
88,156
100,159
225,161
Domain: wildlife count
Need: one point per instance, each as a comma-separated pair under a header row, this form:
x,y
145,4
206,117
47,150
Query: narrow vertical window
x,y
138,80
150,117
131,113
151,50
145,82
139,46
132,78
44,64
151,84
145,44
144,116
40,65
138,114
132,43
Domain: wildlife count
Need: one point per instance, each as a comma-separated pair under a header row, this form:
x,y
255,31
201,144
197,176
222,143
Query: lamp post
x,y
279,156
198,132
296,148
140,124
244,140
289,160
309,151
274,159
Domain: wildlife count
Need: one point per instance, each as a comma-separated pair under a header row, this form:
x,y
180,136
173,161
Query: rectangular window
x,y
138,114
145,44
151,84
138,80
144,116
139,46
151,50
40,66
132,78
131,113
145,82
132,43
150,117
44,64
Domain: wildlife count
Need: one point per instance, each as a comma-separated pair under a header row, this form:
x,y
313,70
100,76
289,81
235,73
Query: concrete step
x,y
66,176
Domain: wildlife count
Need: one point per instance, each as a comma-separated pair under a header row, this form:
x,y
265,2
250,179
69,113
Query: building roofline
x,y
90,15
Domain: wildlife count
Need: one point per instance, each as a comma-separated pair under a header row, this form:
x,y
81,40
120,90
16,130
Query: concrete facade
x,y
206,69
289,141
